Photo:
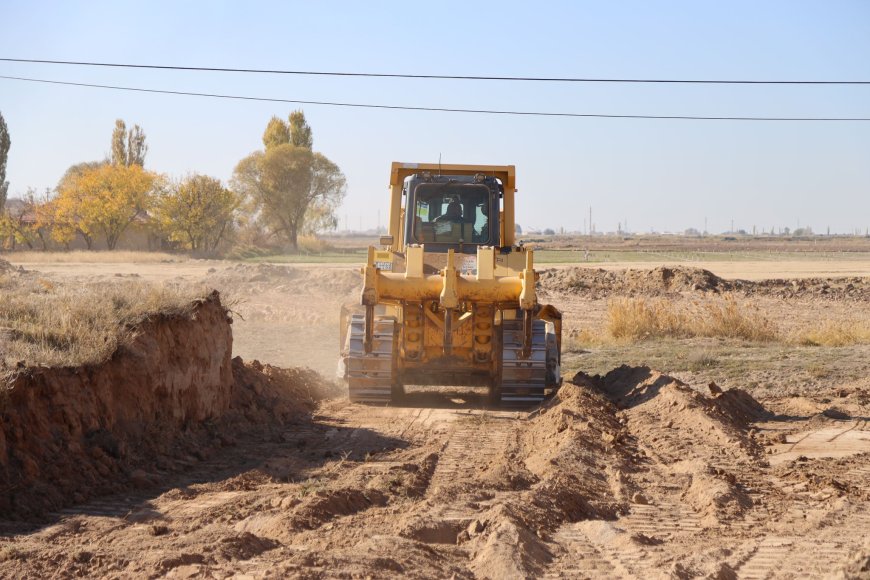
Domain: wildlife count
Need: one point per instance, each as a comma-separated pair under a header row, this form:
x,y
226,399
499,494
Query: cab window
x,y
452,213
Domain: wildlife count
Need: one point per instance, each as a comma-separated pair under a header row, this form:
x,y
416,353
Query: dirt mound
x,y
837,289
325,505
742,406
701,443
509,548
70,433
265,393
574,450
578,427
660,281
664,402
596,283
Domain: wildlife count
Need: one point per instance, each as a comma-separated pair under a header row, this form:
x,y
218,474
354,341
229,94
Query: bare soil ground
x,y
634,473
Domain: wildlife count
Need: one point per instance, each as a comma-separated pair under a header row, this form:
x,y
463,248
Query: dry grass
x,y
314,245
639,318
44,323
84,257
835,333
701,360
727,318
633,319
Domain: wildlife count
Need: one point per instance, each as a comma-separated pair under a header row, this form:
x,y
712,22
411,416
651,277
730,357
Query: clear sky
x,y
667,175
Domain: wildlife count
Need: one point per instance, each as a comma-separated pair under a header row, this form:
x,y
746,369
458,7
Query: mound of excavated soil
x,y
578,427
699,441
70,433
853,288
662,401
597,283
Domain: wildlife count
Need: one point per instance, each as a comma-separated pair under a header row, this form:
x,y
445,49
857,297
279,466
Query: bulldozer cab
x,y
452,212
450,207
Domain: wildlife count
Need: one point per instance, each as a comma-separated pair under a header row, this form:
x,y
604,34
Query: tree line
x,y
275,195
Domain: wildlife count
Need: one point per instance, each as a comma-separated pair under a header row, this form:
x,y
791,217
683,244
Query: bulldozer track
x,y
770,555
665,519
475,441
580,557
524,379
593,556
370,375
811,554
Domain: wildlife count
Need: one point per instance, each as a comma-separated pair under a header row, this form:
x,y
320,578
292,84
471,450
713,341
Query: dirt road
x,y
632,476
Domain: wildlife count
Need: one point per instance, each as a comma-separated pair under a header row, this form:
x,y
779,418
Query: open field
x,y
44,323
639,473
85,257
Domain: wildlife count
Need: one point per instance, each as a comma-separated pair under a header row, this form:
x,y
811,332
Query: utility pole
x,y
591,227
732,225
705,225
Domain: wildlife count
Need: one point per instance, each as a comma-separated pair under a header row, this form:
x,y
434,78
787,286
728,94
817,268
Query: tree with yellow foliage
x,y
198,211
66,221
294,189
103,200
24,223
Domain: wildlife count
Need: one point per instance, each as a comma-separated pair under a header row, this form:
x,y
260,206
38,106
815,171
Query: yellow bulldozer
x,y
448,298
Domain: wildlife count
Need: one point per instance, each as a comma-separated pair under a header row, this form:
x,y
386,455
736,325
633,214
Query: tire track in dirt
x,y
705,500
580,557
663,520
844,431
475,440
814,553
661,484
828,440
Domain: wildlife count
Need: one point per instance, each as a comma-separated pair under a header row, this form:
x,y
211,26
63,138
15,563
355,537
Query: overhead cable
x,y
432,109
436,76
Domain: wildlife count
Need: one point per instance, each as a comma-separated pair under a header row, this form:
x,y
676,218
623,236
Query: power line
x,y
430,76
431,109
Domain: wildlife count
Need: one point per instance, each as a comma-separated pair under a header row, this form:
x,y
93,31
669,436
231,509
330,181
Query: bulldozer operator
x,y
453,214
